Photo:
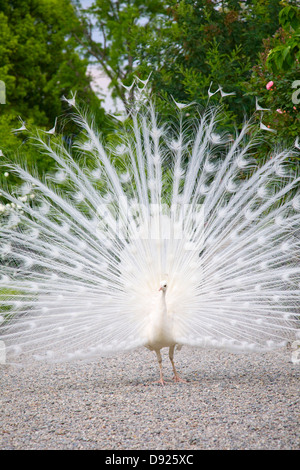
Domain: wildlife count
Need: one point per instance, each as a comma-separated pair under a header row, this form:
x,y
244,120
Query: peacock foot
x,y
160,381
176,378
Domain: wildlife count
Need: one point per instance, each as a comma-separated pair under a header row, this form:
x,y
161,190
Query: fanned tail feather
x,y
81,265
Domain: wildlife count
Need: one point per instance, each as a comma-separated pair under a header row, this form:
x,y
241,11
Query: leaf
x,y
290,17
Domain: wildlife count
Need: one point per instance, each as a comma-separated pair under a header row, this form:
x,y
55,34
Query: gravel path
x,y
230,402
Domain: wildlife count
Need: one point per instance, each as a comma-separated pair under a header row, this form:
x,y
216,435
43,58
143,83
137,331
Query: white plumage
x,y
168,240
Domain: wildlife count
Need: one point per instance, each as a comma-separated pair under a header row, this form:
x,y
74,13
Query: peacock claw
x,y
160,381
176,378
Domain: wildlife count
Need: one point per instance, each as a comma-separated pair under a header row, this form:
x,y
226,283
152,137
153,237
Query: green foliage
x,y
188,46
124,32
38,57
283,56
5,309
208,41
39,63
281,98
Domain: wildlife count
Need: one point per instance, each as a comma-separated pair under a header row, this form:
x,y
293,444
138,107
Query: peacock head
x,y
163,286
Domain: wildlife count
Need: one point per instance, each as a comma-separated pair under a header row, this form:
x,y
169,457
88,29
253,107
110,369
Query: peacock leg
x,y
159,358
171,356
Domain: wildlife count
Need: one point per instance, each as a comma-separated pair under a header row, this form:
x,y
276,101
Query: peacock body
x,y
166,240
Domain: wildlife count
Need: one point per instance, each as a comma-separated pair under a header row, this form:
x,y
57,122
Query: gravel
x,y
230,402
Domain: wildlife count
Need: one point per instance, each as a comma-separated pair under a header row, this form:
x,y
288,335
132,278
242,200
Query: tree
x,y
211,41
39,58
39,63
184,44
284,55
275,80
125,29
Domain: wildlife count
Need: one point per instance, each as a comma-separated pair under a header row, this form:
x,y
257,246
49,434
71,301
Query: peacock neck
x,y
163,304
